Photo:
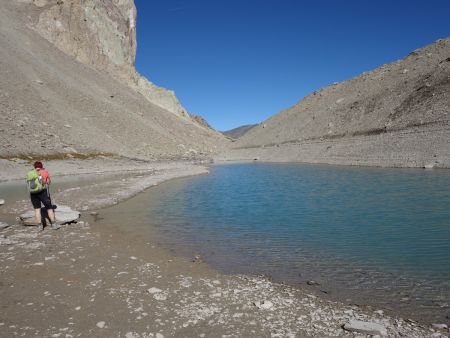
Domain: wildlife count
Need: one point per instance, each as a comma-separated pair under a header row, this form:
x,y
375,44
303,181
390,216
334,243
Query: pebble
x,y
159,335
3,225
101,325
2,201
154,290
160,296
440,326
265,304
311,282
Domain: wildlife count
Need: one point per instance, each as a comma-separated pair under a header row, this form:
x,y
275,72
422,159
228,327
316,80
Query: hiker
x,y
38,182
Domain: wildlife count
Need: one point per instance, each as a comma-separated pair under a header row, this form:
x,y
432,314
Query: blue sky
x,y
239,62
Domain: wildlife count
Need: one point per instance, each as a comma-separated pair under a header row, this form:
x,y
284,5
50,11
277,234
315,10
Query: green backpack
x,y
34,182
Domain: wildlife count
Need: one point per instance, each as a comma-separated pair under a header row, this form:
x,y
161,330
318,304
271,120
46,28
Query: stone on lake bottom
x,y
365,327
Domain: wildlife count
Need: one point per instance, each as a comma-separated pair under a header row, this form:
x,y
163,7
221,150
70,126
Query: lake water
x,y
367,235
370,236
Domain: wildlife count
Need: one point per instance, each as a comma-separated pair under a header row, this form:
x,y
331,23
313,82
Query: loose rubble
x,y
92,290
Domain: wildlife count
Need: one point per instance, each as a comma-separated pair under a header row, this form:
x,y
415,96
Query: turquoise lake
x,y
369,236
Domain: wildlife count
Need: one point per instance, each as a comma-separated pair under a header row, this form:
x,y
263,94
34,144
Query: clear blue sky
x,y
238,62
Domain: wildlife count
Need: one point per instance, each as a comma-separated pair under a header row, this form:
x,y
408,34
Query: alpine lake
x,y
373,237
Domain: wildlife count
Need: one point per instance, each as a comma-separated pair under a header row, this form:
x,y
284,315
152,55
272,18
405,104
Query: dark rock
x,y
312,283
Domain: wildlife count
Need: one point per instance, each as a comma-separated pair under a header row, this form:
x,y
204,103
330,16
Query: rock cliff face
x,y
102,34
395,115
68,87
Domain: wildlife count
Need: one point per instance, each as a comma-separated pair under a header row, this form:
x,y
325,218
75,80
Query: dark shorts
x,y
41,197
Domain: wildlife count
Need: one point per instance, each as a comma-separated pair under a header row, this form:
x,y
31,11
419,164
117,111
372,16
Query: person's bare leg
x,y
51,215
37,214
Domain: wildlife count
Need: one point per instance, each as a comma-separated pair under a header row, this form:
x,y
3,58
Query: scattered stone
x,y
2,201
160,296
365,327
440,326
7,241
265,304
93,213
133,258
154,290
312,282
429,166
3,225
101,324
159,335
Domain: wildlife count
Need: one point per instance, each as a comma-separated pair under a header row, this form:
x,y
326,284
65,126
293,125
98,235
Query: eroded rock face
x,y
102,34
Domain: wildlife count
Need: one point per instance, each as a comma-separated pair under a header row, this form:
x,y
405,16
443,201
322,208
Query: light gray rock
x,y
154,290
2,201
63,215
440,326
3,225
365,327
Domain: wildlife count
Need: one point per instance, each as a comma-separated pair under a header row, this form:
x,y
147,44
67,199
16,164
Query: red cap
x,y
38,165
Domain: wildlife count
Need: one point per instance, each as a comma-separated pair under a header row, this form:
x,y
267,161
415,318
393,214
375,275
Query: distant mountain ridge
x,y
238,132
395,115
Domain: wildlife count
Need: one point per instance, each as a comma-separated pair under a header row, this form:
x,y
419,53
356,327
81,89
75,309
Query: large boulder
x,y
63,215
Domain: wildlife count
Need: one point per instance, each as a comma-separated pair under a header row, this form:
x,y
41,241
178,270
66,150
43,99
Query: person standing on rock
x,y
38,182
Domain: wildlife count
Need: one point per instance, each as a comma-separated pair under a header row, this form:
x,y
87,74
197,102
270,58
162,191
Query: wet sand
x,y
88,279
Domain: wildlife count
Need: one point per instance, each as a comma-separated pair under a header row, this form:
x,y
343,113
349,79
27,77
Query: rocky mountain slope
x,y
238,132
68,86
395,115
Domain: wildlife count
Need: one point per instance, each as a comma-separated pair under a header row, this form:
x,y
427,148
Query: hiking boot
x,y
56,226
40,227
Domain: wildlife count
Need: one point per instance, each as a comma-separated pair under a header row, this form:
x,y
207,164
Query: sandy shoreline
x,y
101,281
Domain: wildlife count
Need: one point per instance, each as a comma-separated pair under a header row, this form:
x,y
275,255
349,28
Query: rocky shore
x,y
105,281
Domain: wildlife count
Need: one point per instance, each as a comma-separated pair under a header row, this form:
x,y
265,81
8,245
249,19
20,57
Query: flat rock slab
x,y
63,215
365,327
3,225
